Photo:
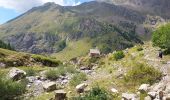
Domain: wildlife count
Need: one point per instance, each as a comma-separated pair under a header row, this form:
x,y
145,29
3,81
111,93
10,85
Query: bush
x,y
161,37
77,79
30,71
52,74
96,94
143,74
119,55
139,48
10,90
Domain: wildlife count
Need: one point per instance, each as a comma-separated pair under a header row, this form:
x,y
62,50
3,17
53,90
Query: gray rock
x,y
114,91
31,79
2,65
144,87
127,96
16,74
60,95
80,88
49,86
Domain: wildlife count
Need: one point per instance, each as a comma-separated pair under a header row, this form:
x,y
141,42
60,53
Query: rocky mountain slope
x,y
51,27
153,7
48,28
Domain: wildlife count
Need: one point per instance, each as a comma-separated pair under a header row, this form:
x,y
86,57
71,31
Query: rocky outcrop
x,y
16,74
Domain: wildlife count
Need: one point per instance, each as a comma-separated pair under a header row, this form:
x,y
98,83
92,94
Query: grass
x,y
77,79
54,73
73,49
46,61
142,73
10,89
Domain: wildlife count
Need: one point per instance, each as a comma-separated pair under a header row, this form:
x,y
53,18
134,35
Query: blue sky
x,y
10,9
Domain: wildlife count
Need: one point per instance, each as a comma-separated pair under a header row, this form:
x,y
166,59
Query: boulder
x,y
114,91
127,96
16,74
60,95
143,88
148,98
80,88
152,94
50,86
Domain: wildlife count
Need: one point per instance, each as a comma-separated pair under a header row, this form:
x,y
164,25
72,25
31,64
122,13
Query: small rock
x,y
143,88
16,74
114,91
31,79
80,88
50,86
126,96
152,94
2,65
60,95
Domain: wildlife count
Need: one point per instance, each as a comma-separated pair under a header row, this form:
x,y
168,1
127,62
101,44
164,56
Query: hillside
x,y
48,28
113,77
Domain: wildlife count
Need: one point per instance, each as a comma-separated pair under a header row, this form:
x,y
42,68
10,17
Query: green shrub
x,y
46,61
161,37
96,94
78,78
143,74
30,71
10,89
139,48
52,74
119,55
70,69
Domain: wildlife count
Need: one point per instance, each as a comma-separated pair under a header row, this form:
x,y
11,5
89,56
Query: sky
x,y
10,9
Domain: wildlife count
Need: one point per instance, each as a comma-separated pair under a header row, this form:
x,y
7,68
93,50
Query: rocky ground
x,y
104,72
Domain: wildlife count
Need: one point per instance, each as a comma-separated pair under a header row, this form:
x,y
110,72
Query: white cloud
x,y
24,5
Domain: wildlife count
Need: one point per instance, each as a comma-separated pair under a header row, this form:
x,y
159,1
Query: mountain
x,y
52,28
153,7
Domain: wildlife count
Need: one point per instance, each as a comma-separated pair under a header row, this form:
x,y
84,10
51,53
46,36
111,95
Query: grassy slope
x,y
74,49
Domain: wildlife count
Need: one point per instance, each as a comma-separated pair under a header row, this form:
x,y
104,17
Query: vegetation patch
x,y
54,74
118,55
96,93
143,74
46,61
161,37
78,78
10,89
